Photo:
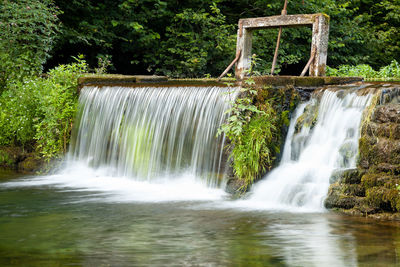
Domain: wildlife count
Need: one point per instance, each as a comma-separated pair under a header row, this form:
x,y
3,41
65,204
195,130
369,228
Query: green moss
x,y
6,159
384,198
353,190
30,164
282,81
366,152
309,81
341,80
351,176
308,118
343,197
274,81
370,180
118,79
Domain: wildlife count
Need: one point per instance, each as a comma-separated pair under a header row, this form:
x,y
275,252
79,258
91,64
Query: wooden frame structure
x,y
319,44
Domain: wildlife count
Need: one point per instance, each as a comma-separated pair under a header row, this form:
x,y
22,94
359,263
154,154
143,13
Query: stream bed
x,y
46,225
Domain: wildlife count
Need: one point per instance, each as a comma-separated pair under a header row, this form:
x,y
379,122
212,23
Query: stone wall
x,y
373,188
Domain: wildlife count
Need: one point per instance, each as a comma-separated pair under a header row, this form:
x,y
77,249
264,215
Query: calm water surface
x,y
54,226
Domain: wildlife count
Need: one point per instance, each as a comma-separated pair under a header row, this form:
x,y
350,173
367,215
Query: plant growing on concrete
x,y
389,72
250,131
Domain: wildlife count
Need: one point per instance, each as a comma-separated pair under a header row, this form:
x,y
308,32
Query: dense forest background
x,y
194,38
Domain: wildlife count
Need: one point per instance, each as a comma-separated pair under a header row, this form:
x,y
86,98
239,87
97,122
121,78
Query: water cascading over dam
x,y
322,138
150,132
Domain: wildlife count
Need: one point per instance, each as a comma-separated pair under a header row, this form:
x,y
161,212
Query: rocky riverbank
x,y
372,189
20,160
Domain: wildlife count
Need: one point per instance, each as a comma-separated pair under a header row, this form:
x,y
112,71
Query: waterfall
x,y
323,137
150,132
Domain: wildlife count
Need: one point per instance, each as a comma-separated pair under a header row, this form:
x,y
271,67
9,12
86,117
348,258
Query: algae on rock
x,y
372,189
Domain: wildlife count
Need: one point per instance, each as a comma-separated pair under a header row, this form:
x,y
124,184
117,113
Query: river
x,y
44,224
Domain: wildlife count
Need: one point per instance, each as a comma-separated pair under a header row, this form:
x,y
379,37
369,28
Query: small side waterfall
x,y
323,137
151,132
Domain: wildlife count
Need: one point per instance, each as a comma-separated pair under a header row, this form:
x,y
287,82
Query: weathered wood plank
x,y
279,21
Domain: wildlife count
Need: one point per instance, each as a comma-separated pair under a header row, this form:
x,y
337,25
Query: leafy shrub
x,y
198,42
57,104
18,113
387,72
27,31
250,131
390,71
37,113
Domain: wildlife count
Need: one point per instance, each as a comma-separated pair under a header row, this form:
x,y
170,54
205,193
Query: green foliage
x,y
193,38
251,151
103,64
381,19
198,42
37,113
27,32
250,131
391,71
58,99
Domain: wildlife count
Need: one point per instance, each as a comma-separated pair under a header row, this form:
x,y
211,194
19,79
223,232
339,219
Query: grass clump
x,y
254,128
386,73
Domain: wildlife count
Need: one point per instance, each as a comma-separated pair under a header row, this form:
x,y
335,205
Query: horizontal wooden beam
x,y
279,21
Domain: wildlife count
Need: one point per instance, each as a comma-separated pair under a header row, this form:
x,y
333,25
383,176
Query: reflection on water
x,y
47,225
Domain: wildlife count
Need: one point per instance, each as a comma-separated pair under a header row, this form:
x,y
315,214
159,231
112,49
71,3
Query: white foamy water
x,y
148,132
102,187
158,144
146,144
300,183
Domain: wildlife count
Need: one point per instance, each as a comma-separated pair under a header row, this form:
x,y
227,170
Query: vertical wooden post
x,y
319,45
244,43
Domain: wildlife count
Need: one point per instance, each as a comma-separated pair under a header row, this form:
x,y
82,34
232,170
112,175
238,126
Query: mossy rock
x,y
388,130
278,103
309,81
235,187
385,151
393,169
383,198
387,113
341,80
366,150
19,160
308,118
10,156
353,190
30,164
352,176
274,80
109,79
372,179
349,176
336,198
